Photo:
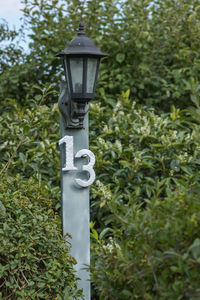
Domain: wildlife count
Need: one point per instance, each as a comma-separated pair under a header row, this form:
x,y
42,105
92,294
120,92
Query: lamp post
x,y
81,59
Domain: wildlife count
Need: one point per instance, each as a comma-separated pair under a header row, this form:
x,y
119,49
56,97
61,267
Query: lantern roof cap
x,y
81,45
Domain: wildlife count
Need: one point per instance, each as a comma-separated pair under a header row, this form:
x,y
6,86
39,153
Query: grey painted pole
x,y
75,199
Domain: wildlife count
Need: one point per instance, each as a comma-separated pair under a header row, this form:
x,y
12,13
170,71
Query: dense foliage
x,y
144,132
29,136
145,203
152,253
34,260
153,47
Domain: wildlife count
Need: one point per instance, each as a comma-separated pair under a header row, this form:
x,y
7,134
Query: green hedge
x,y
152,253
139,151
144,215
147,167
153,48
34,260
145,202
29,141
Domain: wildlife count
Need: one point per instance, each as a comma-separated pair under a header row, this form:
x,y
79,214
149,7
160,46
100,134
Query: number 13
x,y
69,160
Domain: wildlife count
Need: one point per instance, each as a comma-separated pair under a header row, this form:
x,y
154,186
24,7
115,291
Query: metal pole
x,y
75,198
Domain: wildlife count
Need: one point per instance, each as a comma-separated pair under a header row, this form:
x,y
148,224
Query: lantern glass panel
x,y
76,67
91,74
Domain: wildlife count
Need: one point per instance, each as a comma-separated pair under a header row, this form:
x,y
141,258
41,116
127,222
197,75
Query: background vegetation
x,y
144,131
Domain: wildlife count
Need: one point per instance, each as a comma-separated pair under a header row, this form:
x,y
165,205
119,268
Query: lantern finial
x,y
81,29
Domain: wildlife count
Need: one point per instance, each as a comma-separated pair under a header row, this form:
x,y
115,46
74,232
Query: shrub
x,y
145,202
139,151
152,253
34,260
29,141
153,47
143,160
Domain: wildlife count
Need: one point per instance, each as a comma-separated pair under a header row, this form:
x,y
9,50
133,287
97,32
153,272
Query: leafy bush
x,y
152,253
29,141
153,47
34,260
144,161
145,202
140,152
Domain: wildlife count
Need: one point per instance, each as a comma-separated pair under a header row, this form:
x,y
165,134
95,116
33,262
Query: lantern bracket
x,y
70,110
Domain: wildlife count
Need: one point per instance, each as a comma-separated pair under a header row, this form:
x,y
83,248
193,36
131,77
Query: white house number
x,y
69,160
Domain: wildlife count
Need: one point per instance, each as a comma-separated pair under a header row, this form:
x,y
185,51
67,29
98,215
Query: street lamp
x,y
81,59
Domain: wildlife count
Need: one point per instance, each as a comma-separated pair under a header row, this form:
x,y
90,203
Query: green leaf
x,y
120,57
195,248
104,231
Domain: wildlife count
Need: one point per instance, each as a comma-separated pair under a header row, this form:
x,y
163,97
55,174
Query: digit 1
x,y
69,153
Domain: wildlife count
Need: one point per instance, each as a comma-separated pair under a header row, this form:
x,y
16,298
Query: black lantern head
x,y
81,59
